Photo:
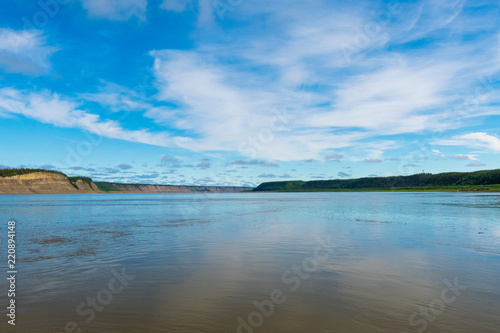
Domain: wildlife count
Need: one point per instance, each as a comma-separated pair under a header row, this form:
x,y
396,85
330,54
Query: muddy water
x,y
253,262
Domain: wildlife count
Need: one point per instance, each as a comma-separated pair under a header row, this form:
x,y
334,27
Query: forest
x,y
479,180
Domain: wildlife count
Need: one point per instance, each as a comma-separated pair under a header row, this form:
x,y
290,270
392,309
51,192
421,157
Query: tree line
x,y
486,177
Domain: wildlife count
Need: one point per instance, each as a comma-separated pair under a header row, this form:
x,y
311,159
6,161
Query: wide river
x,y
254,262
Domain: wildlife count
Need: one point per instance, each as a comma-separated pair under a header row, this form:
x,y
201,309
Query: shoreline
x,y
381,191
37,181
289,191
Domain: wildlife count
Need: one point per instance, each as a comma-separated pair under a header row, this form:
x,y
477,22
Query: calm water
x,y
301,262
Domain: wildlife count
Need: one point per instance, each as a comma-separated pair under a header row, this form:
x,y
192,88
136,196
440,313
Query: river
x,y
254,262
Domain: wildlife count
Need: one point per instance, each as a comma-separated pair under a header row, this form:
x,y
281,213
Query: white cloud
x,y
116,10
206,12
393,100
24,51
117,98
176,5
203,8
457,157
463,157
429,16
52,109
475,140
476,164
225,110
224,93
224,104
226,90
200,91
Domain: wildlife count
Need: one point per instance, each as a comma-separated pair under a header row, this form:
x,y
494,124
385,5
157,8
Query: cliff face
x,y
43,182
139,188
84,187
47,183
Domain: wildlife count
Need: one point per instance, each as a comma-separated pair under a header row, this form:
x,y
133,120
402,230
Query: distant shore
x,y
478,181
36,181
491,189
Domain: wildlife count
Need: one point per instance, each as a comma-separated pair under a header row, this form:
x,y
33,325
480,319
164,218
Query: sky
x,y
239,92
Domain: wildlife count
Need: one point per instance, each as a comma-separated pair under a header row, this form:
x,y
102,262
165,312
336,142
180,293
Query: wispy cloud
x,y
393,100
124,166
335,157
476,164
480,140
203,8
48,167
152,175
204,164
116,10
254,162
25,51
260,94
171,161
428,16
117,98
267,175
391,94
373,160
52,109
456,157
343,175
176,5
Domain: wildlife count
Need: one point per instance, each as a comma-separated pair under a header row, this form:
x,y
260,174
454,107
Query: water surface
x,y
339,262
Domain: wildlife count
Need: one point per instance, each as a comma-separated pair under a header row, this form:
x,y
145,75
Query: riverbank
x,y
37,181
478,181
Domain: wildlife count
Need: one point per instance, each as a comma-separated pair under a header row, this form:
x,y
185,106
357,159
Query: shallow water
x,y
255,262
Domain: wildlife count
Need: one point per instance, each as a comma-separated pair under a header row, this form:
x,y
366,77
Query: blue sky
x,y
238,92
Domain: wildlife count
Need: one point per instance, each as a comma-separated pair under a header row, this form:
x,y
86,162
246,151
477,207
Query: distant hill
x,y
486,180
39,181
151,188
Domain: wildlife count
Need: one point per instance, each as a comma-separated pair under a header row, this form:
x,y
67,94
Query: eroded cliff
x,y
40,182
145,188
44,183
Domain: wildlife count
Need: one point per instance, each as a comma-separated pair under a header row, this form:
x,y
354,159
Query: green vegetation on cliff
x,y
127,187
114,187
23,171
486,180
119,187
84,179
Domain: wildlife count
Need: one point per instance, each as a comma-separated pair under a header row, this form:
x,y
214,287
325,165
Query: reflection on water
x,y
301,262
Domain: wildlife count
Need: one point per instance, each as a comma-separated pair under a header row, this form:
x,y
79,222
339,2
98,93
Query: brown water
x,y
250,262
